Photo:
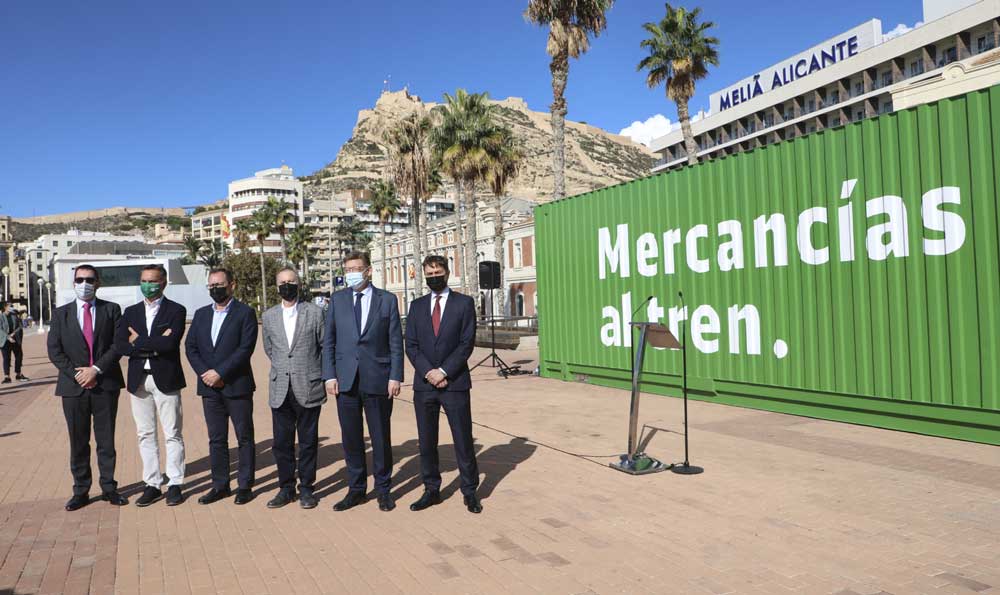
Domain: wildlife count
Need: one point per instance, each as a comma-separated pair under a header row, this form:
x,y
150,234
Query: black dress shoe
x,y
149,495
174,495
385,502
214,495
351,500
114,498
6,380
284,497
307,499
430,498
22,378
473,504
243,495
77,502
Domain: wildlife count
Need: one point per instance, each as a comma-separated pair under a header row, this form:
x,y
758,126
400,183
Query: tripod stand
x,y
495,360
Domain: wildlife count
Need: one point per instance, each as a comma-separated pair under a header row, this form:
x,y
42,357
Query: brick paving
x,y
786,505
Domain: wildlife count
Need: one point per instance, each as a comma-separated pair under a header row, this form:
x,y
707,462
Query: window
x,y
789,114
518,257
859,88
811,105
886,78
917,67
768,121
121,276
886,107
950,55
55,243
835,121
984,43
859,115
812,128
519,305
38,267
38,254
834,97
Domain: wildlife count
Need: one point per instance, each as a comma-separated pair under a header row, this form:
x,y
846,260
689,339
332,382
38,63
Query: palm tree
x,y
351,233
299,241
571,23
384,203
467,127
262,224
193,247
505,159
242,230
211,255
679,54
281,217
413,171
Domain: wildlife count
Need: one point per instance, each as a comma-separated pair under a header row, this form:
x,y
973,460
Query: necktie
x,y
436,315
357,311
88,331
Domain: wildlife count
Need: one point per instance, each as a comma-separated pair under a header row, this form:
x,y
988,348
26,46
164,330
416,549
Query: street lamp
x,y
48,292
6,281
41,318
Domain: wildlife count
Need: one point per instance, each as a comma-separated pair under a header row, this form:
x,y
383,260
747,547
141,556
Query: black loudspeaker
x,y
489,274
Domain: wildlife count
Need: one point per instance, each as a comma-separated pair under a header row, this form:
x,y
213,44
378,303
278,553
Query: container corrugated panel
x,y
851,274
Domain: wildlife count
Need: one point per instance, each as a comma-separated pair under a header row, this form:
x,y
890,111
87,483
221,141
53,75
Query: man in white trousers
x,y
149,335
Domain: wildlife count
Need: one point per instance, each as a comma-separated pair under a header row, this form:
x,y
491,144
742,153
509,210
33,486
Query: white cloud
x,y
900,29
644,132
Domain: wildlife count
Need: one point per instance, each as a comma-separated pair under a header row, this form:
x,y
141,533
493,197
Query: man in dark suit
x,y
219,345
440,336
149,335
13,335
81,345
363,369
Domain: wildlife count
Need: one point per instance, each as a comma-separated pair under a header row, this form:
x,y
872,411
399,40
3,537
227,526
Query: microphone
x,y
644,302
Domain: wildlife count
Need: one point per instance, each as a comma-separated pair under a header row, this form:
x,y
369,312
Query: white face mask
x,y
85,291
354,279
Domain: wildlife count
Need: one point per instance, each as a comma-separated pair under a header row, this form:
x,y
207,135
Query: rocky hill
x,y
594,158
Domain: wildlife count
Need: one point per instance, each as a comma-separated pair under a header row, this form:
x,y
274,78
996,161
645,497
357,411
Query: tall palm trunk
x,y
460,217
471,239
424,249
263,279
284,249
498,251
418,251
689,145
559,67
384,275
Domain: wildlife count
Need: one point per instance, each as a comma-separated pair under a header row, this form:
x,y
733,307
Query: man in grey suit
x,y
363,369
293,341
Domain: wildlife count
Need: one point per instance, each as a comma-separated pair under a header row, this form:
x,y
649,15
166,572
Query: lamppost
x,y
41,317
6,281
48,292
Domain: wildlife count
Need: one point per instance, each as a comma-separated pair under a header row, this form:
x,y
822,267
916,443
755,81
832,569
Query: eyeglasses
x,y
85,279
355,269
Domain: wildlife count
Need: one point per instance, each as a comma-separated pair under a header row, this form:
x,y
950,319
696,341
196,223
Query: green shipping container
x,y
851,274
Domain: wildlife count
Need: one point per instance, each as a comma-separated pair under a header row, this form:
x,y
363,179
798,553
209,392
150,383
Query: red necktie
x,y
88,331
436,315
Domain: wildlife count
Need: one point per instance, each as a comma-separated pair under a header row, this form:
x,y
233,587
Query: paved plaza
x,y
787,505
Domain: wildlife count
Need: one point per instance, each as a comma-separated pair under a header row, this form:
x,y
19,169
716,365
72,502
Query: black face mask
x,y
218,294
288,291
437,283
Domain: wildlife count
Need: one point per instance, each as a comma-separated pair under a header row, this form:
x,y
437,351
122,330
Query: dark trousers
x,y
377,409
458,409
12,348
290,417
102,407
218,412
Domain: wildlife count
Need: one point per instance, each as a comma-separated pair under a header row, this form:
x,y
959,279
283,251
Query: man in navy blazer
x,y
149,334
222,338
440,337
363,370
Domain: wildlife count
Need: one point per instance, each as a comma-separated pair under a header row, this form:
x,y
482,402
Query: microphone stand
x,y
685,468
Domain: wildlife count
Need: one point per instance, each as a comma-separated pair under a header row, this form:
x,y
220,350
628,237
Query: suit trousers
x,y
147,404
101,406
458,409
377,409
290,417
18,353
219,411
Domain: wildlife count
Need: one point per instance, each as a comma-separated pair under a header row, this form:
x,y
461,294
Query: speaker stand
x,y
495,360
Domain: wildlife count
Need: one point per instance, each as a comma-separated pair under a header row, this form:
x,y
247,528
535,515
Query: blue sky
x,y
117,102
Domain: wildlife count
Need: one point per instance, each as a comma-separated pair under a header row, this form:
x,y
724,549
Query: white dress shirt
x,y
93,317
218,317
152,308
290,316
444,300
366,302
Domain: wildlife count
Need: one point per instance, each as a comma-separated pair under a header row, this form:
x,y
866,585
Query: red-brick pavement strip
x,y
786,505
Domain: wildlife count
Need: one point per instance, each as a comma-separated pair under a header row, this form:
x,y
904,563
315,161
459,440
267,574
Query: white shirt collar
x,y
289,310
444,293
155,303
367,291
80,303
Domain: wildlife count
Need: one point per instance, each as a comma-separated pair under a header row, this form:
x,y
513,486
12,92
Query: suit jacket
x,y
16,326
300,365
162,351
230,356
68,349
5,329
450,349
376,355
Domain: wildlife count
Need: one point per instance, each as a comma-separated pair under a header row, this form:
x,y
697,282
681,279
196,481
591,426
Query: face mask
x,y
85,291
437,283
354,279
219,294
288,291
150,289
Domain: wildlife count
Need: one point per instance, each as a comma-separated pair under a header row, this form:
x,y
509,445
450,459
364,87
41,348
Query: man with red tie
x,y
440,336
81,345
